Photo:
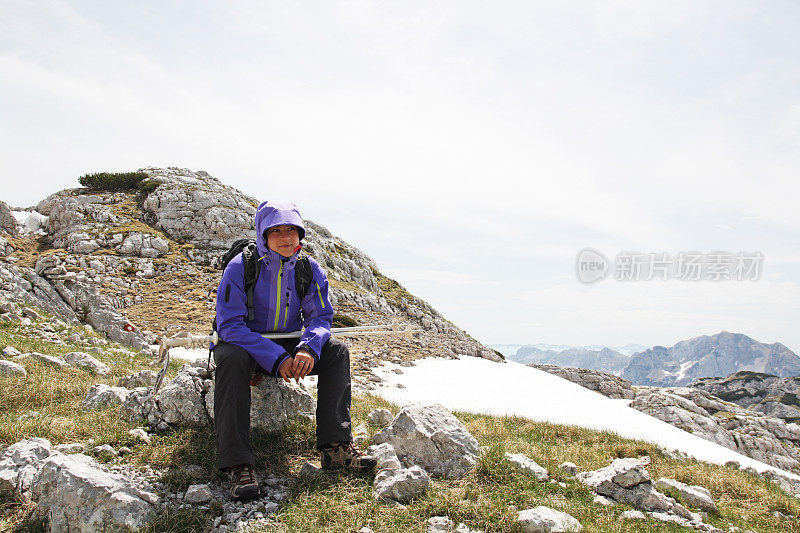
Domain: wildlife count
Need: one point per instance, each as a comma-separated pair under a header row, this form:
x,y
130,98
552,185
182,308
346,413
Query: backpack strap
x,y
302,276
252,268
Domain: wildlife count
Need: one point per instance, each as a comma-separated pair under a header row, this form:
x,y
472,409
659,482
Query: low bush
x,y
113,181
343,321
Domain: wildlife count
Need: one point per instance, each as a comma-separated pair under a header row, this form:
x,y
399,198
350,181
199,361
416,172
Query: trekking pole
x,y
188,340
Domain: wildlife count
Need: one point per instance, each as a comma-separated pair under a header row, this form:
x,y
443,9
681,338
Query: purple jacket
x,y
274,298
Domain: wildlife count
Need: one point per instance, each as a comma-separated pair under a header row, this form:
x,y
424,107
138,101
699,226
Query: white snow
x,y
477,385
29,221
684,367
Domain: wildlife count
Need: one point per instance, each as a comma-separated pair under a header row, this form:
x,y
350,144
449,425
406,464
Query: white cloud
x,y
455,144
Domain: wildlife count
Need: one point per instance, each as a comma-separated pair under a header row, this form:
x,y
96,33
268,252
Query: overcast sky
x,y
471,148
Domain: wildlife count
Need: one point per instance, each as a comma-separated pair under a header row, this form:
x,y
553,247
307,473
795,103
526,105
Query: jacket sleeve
x,y
231,326
317,313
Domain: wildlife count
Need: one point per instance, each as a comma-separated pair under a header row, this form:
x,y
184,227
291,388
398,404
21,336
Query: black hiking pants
x,y
235,367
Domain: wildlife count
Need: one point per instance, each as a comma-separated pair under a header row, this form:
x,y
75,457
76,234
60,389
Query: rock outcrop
x,y
628,481
765,393
770,440
188,399
606,384
431,437
61,485
107,244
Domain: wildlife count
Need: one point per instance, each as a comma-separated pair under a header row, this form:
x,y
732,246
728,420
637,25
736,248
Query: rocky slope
x,y
147,259
709,356
771,395
753,433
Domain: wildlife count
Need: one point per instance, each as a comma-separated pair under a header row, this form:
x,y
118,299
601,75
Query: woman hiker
x,y
277,306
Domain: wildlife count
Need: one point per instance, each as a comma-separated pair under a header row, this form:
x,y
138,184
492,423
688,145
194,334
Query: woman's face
x,y
283,239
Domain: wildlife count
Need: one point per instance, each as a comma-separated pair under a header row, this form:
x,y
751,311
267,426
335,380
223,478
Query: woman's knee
x,y
228,355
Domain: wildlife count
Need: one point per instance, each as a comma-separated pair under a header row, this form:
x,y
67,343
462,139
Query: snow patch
x,y
510,389
30,221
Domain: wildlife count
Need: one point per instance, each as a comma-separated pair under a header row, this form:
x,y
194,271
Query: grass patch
x,y
487,499
391,289
339,284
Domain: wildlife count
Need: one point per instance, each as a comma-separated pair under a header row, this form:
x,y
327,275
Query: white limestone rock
x,y
84,360
200,493
20,463
12,368
401,485
65,483
380,417
528,466
693,495
101,396
431,437
545,520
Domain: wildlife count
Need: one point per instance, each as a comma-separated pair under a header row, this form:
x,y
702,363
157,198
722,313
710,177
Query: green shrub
x,y
147,186
343,321
113,181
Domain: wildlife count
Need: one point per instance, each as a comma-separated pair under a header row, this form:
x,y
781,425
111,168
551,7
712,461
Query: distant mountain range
x,y
717,355
611,359
682,364
510,350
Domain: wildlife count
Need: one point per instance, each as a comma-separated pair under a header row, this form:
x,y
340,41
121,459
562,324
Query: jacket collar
x,y
272,260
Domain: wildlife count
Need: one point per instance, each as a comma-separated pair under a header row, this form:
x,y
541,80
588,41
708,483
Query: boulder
x,y
385,457
65,483
48,360
431,437
274,404
528,466
544,520
73,447
380,417
8,224
20,463
101,396
627,481
401,485
633,514
12,368
693,495
84,360
188,399
144,378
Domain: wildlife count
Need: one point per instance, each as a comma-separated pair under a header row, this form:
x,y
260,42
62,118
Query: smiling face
x,y
283,239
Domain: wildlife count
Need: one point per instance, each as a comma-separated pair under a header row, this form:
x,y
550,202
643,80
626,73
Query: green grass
x,y
486,499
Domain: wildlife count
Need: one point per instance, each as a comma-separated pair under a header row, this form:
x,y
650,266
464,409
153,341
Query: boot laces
x,y
244,475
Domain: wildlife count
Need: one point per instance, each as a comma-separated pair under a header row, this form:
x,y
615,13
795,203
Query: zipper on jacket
x,y
286,314
278,296
319,293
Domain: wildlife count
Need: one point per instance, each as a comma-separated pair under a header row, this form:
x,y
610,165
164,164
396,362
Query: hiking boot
x,y
243,482
338,455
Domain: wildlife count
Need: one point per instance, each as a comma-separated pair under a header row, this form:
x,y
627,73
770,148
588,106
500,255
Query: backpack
x,y
252,268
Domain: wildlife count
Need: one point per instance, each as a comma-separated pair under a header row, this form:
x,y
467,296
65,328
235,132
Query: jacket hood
x,y
271,214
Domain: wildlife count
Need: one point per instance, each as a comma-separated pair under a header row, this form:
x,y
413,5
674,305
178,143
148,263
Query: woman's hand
x,y
296,367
